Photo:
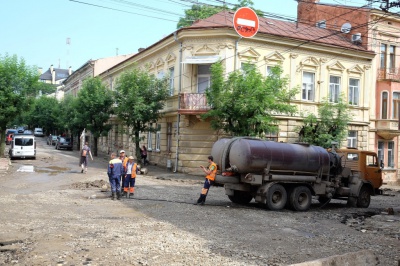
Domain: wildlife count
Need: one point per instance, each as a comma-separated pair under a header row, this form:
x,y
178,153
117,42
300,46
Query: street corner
x,y
4,164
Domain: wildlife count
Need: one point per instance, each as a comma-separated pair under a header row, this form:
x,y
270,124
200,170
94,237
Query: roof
x,y
60,74
282,28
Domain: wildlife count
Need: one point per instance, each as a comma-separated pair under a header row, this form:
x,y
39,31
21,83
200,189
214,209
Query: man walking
x,y
114,172
211,172
124,161
84,157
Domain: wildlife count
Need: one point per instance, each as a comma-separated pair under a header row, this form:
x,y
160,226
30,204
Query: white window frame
x,y
199,76
390,154
171,81
354,93
308,89
384,110
158,141
395,104
149,141
381,151
352,139
334,89
160,74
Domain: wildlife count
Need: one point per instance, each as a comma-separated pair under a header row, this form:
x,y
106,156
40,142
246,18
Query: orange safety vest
x,y
134,167
213,173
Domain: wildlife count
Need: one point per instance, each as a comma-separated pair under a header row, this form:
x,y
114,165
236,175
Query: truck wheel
x,y
276,197
241,197
300,198
364,198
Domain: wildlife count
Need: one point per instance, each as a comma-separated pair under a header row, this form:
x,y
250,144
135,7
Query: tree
x,y
197,12
330,126
69,115
140,97
245,104
45,113
17,85
94,107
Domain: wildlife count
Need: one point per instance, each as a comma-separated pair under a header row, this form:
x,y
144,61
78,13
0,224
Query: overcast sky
x,y
37,30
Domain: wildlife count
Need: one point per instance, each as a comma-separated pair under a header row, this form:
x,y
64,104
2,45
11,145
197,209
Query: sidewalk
x,y
4,164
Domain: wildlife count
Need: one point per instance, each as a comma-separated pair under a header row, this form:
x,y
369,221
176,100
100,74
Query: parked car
x,y
51,140
23,146
20,130
38,132
28,132
9,135
63,143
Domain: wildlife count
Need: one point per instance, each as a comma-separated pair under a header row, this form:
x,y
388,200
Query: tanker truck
x,y
278,175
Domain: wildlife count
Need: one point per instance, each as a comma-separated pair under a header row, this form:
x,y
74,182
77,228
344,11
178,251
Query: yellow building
x,y
321,62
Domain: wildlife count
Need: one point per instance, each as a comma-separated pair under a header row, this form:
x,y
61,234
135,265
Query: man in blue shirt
x,y
114,172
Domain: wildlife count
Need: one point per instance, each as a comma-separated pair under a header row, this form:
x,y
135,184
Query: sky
x,y
38,30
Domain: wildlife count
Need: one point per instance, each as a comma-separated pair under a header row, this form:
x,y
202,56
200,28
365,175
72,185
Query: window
x,y
352,139
308,86
334,89
246,66
396,105
149,141
171,81
269,71
371,160
392,58
203,78
384,105
383,55
271,136
381,151
169,137
390,154
354,91
158,141
321,24
160,74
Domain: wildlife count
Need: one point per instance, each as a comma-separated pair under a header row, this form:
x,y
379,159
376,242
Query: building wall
x,y
195,135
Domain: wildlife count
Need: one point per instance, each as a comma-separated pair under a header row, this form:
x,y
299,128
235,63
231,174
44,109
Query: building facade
x,y
320,63
377,31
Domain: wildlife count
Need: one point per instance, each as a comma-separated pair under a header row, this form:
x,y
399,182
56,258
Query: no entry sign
x,y
245,22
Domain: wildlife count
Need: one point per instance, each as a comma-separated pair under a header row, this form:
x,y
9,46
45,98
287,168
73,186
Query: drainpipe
x,y
179,102
236,52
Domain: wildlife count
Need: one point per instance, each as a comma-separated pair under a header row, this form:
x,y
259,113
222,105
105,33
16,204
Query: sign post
x,y
245,22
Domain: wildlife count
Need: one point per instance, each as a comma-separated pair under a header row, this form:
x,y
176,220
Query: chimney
x,y
53,76
69,71
51,69
140,49
40,71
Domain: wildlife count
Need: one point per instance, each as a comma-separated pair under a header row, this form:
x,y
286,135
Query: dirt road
x,y
51,214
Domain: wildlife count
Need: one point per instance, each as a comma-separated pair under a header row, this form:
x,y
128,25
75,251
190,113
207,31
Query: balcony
x,y
389,74
388,129
193,104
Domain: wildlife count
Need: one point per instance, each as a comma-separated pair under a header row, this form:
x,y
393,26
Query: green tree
x,y
94,107
69,115
17,85
197,12
45,113
245,104
140,97
330,125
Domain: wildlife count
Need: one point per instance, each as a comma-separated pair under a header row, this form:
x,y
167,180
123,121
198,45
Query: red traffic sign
x,y
246,22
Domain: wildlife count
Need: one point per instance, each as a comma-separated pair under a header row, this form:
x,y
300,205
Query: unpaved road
x,y
58,216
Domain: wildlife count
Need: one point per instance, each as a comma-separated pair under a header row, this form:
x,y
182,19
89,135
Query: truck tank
x,y
247,155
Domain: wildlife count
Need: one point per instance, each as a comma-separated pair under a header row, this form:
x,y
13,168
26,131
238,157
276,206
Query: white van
x,y
23,146
38,132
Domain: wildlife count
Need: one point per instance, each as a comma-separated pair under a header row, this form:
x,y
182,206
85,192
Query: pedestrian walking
x,y
211,172
124,161
143,155
129,185
84,157
114,172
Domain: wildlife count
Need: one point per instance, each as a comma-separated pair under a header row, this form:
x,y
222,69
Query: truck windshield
x,y
23,142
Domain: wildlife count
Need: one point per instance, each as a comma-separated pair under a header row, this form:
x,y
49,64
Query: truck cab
x,y
363,163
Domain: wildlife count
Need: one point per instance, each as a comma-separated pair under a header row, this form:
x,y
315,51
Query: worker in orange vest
x,y
211,172
129,185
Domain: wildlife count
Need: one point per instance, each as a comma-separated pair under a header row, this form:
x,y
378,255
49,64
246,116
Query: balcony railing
x,y
193,103
389,74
